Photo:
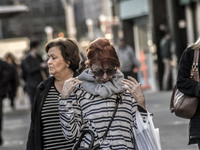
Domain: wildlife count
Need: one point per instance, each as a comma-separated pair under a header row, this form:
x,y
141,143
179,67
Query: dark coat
x,y
31,70
6,76
165,46
191,88
35,133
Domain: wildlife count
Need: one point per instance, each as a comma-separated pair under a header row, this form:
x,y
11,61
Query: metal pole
x,y
190,24
1,32
69,18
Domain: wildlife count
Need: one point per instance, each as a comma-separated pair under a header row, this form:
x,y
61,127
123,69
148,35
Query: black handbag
x,y
87,131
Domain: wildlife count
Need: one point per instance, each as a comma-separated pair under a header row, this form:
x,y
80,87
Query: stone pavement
x,y
16,124
173,130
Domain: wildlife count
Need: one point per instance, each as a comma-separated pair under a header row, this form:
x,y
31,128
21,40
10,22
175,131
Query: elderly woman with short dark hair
x,y
45,130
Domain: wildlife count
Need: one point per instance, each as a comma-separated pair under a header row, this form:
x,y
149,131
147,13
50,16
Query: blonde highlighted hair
x,y
195,45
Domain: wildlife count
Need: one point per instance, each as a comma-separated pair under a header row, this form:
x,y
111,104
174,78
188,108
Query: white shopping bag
x,y
146,135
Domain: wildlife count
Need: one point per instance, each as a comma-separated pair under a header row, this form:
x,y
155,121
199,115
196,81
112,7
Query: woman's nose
x,y
49,61
105,76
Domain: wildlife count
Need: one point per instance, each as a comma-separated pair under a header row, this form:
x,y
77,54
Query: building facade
x,y
144,27
134,15
31,24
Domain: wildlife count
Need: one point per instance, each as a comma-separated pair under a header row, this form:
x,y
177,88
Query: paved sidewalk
x,y
16,124
173,130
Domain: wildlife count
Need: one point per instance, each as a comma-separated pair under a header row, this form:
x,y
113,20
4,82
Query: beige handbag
x,y
182,105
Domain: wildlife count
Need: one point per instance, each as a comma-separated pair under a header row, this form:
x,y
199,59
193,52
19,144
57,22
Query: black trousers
x,y
31,93
198,142
11,96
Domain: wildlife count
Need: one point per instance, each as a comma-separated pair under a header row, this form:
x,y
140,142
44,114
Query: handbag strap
x,y
119,99
194,72
87,131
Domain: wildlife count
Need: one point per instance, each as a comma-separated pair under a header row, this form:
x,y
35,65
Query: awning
x,y
186,2
11,10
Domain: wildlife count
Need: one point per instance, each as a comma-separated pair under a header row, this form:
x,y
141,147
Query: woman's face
x,y
9,60
55,61
103,73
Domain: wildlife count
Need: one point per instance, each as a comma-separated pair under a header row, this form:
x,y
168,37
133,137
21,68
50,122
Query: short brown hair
x,y
103,51
69,50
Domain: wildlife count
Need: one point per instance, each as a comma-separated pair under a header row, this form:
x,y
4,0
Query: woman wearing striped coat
x,y
88,102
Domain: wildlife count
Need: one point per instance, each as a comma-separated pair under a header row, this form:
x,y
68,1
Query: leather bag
x,y
182,105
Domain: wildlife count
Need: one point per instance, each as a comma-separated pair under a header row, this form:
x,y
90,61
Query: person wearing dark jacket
x,y
165,51
32,67
190,87
14,84
45,130
6,75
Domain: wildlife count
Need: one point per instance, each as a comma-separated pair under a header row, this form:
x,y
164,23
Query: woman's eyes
x,y
51,57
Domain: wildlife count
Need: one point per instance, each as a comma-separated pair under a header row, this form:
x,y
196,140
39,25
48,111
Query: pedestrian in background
x,y
92,103
45,130
6,76
166,55
129,62
190,87
82,63
33,69
15,81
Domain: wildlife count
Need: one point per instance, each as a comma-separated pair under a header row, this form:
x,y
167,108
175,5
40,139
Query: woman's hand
x,y
69,86
135,89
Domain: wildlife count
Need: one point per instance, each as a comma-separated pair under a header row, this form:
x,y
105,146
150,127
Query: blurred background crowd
x,y
142,24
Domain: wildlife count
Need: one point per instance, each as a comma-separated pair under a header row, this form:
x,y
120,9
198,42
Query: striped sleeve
x,y
136,107
70,116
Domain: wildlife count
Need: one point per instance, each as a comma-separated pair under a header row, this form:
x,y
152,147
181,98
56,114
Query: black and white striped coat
x,y
84,110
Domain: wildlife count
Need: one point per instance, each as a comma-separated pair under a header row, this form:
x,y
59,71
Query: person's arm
x,y
184,83
134,88
138,101
142,112
70,116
